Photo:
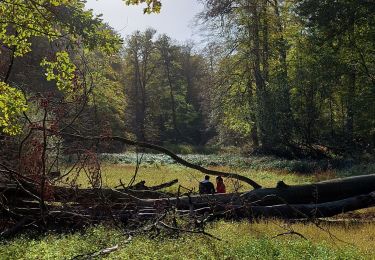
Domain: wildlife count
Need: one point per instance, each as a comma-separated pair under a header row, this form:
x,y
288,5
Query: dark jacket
x,y
206,187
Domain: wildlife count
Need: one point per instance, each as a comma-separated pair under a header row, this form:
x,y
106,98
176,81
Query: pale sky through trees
x,y
175,19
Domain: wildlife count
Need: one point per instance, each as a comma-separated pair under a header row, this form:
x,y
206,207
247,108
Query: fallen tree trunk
x,y
320,192
163,185
300,211
283,211
80,207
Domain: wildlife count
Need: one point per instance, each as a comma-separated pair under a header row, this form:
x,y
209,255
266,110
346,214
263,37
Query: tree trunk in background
x,y
350,108
139,102
167,62
285,112
265,114
351,85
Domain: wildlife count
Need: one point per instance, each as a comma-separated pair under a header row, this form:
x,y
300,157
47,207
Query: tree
x,y
157,88
255,36
61,22
140,68
306,68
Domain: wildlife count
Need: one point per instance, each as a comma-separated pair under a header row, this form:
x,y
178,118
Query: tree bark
x,y
316,193
320,192
299,211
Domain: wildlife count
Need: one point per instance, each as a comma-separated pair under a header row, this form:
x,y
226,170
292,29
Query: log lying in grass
x,y
299,211
283,211
320,192
163,185
79,207
316,193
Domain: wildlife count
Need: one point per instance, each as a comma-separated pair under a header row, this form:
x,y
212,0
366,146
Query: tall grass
x,y
241,240
155,174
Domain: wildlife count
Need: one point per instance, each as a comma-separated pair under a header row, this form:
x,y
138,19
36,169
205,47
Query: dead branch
x,y
99,253
141,185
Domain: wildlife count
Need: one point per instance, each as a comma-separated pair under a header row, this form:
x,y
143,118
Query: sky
x,y
175,19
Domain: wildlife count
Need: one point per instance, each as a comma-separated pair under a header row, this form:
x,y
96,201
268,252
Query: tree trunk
x,y
300,211
316,193
320,192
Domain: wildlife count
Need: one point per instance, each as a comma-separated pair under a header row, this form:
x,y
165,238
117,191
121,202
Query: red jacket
x,y
220,187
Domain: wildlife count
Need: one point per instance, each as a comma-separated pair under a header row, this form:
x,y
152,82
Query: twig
x,y
189,231
102,252
290,232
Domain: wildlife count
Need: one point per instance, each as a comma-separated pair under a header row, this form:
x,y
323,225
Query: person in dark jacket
x,y
206,187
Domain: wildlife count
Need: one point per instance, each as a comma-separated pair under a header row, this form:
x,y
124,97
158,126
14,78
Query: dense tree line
x,y
294,78
162,81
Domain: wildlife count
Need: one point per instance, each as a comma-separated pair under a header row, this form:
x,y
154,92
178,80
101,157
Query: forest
x,y
109,136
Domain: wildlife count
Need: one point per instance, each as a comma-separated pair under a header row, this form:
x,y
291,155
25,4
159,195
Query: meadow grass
x,y
239,240
188,178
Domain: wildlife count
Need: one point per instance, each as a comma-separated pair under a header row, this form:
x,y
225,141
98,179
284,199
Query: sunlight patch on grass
x,y
156,174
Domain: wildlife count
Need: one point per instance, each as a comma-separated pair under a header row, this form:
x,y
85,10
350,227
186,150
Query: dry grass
x,y
156,174
359,235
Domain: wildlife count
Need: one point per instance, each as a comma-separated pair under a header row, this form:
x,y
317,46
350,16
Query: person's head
x,y
219,179
207,178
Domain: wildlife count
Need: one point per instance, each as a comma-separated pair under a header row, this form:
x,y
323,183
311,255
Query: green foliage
x,y
153,6
109,97
53,19
237,103
159,88
22,20
12,105
61,22
191,149
294,74
62,71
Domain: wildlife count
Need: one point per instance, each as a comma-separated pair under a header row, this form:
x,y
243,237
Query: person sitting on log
x,y
220,186
205,186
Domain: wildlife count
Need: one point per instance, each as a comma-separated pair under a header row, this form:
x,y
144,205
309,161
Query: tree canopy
x,y
293,78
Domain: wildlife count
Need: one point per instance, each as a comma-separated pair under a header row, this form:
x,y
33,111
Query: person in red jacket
x,y
220,186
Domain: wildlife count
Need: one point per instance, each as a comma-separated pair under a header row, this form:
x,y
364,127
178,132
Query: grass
x,y
156,174
240,240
